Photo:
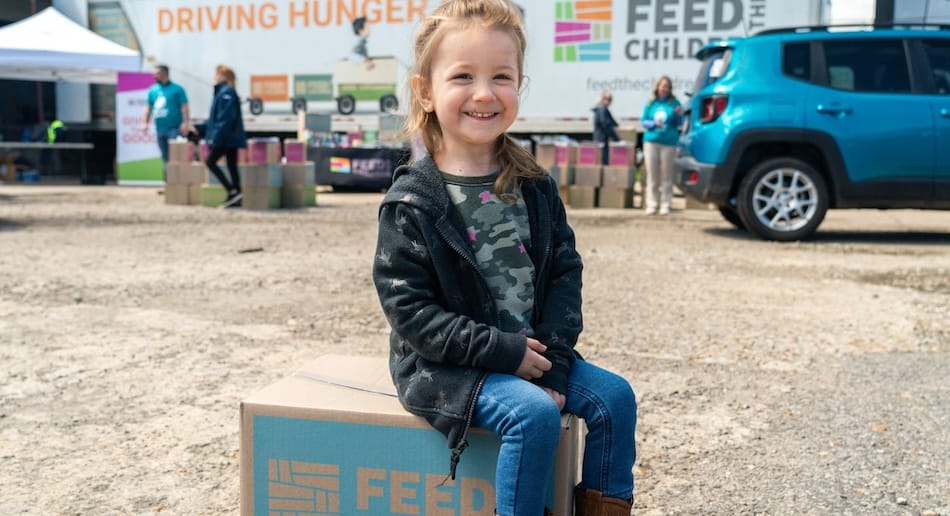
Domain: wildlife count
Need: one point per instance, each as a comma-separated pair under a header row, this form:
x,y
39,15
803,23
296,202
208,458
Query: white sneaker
x,y
650,211
664,211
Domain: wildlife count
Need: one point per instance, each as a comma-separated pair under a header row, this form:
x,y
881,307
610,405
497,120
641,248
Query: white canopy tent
x,y
48,46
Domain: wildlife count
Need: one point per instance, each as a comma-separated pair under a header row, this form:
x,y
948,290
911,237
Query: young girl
x,y
478,276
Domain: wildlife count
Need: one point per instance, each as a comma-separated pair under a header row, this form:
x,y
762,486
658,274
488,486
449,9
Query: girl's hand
x,y
533,365
556,396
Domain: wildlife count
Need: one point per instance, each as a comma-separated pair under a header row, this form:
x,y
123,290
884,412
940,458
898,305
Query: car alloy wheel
x,y
783,199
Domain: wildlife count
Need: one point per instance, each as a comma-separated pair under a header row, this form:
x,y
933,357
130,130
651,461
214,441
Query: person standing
x,y
224,132
479,278
168,105
661,118
604,125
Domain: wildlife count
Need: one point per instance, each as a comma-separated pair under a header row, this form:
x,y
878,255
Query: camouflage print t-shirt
x,y
501,238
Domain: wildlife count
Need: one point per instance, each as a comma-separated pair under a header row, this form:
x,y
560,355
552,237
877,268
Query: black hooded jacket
x,y
445,335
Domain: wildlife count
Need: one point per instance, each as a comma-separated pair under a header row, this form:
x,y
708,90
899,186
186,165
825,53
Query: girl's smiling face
x,y
473,88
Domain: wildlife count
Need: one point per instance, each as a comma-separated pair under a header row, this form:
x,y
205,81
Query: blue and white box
x,y
333,439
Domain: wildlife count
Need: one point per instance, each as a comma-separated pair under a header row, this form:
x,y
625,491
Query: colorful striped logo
x,y
340,165
582,30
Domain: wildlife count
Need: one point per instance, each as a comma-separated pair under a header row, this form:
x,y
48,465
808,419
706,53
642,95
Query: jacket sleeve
x,y
410,295
611,126
561,321
223,118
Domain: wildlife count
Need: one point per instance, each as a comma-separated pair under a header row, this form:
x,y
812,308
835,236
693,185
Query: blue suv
x,y
788,123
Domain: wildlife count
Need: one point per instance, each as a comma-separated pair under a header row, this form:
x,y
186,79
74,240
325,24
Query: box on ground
x,y
545,154
582,196
333,439
261,175
295,151
622,153
298,196
565,154
619,175
263,150
180,151
590,153
260,197
563,175
562,192
588,175
176,193
615,197
299,173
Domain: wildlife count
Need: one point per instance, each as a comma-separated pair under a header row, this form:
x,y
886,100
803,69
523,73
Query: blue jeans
x,y
163,138
529,424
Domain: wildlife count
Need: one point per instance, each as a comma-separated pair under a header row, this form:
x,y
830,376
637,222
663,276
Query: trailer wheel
x,y
298,104
388,104
256,105
346,104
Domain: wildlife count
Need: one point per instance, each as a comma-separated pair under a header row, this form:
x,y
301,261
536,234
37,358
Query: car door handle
x,y
834,110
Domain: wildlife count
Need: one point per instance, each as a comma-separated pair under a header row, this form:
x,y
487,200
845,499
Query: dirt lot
x,y
805,378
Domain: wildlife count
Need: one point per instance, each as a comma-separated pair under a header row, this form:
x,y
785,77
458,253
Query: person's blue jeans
x,y
529,424
163,138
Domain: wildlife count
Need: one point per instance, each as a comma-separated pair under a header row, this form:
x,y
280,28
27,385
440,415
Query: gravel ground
x,y
804,378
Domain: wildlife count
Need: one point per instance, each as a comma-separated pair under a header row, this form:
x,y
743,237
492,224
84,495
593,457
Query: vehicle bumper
x,y
704,182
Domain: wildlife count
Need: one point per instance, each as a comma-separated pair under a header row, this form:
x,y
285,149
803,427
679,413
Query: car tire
x,y
346,105
730,213
783,199
388,104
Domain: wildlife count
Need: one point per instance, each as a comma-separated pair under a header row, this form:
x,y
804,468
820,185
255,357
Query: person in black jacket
x,y
224,132
478,276
605,127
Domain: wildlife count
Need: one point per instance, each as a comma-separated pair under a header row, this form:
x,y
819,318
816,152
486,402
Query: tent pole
x,y
39,86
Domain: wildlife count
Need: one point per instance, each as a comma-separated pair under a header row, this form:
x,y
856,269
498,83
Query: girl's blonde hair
x,y
656,87
227,72
516,162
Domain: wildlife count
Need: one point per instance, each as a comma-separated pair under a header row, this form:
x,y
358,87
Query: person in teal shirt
x,y
661,118
168,105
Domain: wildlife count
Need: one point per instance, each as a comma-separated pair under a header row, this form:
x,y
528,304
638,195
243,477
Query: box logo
x,y
296,487
582,30
340,165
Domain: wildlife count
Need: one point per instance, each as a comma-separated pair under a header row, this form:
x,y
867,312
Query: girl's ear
x,y
422,92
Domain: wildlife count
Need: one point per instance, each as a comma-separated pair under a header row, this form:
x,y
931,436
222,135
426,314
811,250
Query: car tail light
x,y
711,107
692,177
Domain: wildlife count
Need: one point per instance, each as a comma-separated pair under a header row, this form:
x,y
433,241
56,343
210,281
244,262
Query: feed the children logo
x,y
582,30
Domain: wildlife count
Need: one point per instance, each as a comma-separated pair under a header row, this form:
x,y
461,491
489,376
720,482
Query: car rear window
x,y
796,61
714,66
938,56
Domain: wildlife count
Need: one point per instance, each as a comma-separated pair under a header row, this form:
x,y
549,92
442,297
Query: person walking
x,y
661,118
224,133
478,276
605,127
168,105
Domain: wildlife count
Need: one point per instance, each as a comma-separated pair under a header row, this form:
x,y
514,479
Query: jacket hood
x,y
420,185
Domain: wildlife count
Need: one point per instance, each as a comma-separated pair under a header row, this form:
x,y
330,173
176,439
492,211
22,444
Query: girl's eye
x,y
462,76
503,77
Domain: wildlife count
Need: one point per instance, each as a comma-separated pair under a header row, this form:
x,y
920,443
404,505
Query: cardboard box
x,y
622,153
562,175
545,154
299,173
180,151
614,197
588,175
298,196
176,194
582,196
260,198
590,153
562,192
565,154
254,176
621,176
295,151
194,194
212,195
263,150
334,439
174,173
194,172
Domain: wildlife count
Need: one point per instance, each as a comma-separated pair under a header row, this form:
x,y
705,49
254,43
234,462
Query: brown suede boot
x,y
588,502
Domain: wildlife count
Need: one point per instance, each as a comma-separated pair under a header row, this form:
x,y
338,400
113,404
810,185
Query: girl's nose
x,y
483,92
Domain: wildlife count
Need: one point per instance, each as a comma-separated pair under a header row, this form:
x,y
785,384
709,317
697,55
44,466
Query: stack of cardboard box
x,y
588,176
559,159
618,176
298,188
183,176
